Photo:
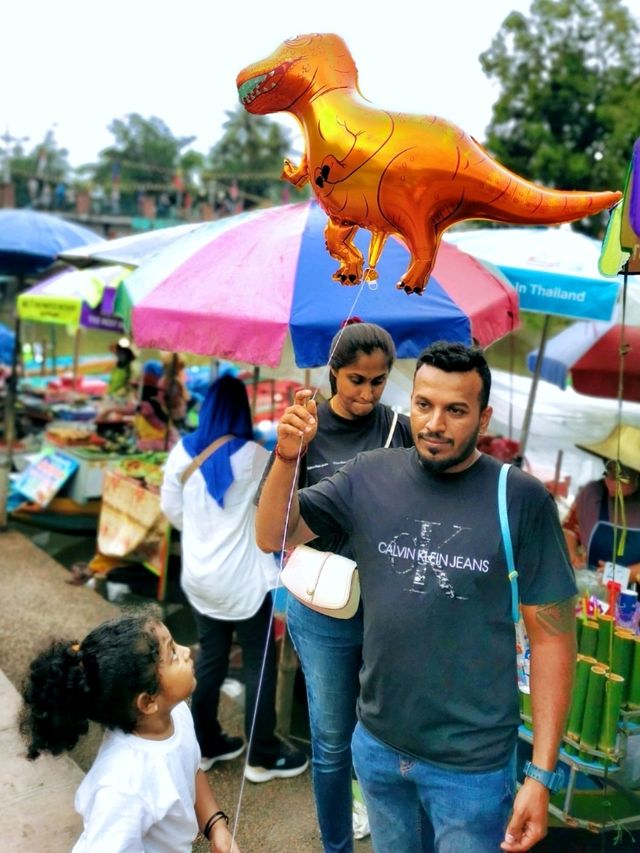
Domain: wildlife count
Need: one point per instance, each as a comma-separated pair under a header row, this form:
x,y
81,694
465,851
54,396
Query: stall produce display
x,y
604,716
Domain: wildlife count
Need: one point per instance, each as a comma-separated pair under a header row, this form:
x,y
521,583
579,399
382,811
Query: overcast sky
x,y
75,65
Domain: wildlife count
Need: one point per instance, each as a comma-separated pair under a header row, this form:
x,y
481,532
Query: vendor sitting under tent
x,y
605,516
173,387
119,385
152,425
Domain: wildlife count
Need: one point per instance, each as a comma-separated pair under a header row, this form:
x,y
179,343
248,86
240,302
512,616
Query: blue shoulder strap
x,y
506,539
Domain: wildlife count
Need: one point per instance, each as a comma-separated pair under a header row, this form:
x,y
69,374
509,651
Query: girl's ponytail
x,y
56,700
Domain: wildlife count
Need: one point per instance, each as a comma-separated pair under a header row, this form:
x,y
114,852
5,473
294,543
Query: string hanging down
x,y
322,379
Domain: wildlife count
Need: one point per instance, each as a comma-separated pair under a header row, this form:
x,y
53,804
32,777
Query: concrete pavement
x,y
36,809
37,797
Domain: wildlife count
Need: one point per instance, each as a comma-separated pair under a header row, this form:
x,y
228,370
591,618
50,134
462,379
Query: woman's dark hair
x,y
458,358
356,338
70,683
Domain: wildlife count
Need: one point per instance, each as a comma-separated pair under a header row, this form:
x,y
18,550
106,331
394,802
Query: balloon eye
x,y
298,41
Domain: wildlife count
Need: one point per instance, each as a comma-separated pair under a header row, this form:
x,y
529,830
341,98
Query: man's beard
x,y
437,466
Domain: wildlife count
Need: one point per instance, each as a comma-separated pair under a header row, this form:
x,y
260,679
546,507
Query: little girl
x,y
144,791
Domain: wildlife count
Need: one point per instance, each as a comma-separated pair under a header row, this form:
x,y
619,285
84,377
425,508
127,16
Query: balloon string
x,y
294,486
619,506
619,509
327,366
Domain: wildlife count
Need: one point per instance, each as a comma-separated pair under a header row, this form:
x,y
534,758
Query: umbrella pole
x,y
76,358
557,474
526,423
254,394
171,384
54,350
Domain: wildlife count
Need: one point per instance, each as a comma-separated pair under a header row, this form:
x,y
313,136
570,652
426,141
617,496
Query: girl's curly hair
x,y
71,683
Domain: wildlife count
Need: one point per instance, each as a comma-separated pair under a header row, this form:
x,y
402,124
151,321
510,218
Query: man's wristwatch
x,y
551,780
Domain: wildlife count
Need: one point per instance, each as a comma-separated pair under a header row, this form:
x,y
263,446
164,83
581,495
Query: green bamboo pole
x,y
579,622
634,688
525,705
579,695
622,658
614,686
592,711
605,629
589,638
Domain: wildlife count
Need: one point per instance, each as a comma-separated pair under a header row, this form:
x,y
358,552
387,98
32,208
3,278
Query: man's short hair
x,y
458,358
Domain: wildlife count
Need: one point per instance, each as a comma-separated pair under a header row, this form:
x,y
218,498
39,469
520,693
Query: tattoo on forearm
x,y
558,617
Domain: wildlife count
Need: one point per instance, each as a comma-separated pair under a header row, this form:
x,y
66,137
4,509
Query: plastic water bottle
x,y
627,609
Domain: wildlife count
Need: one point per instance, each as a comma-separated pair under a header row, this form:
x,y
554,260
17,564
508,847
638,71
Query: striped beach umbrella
x,y
589,353
236,287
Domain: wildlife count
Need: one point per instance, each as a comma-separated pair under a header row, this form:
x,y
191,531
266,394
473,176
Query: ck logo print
x,y
430,553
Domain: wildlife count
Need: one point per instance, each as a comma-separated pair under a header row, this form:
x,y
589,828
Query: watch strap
x,y
553,780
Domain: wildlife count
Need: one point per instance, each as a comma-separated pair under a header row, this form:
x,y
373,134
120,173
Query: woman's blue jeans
x,y
468,811
330,652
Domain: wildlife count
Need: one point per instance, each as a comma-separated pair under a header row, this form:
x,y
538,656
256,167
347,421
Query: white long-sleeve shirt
x,y
224,573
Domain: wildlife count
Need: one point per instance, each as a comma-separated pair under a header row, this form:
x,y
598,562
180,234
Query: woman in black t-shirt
x,y
330,650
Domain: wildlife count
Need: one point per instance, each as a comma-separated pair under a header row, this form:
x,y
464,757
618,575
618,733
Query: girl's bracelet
x,y
215,817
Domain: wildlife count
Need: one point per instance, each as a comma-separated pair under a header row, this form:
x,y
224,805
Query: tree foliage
x,y
569,108
145,154
250,154
47,163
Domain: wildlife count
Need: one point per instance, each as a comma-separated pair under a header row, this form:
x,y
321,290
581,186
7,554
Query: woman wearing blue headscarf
x,y
210,480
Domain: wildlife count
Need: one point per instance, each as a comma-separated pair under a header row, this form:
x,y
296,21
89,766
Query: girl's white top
x,y
139,795
224,573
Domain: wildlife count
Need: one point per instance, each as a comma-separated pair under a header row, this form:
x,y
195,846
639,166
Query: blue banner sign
x,y
563,296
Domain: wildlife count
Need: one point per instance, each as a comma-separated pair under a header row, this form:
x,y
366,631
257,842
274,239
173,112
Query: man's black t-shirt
x,y
439,674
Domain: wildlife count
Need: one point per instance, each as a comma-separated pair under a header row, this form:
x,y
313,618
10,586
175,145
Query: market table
x,y
132,527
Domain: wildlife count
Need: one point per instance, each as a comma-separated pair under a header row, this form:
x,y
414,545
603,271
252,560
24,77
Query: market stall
x,y
80,481
600,751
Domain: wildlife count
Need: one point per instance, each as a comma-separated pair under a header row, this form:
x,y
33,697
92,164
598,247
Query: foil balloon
x,y
408,175
612,256
621,244
630,223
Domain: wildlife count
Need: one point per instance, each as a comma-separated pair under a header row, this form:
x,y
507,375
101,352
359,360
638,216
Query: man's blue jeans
x,y
469,812
330,652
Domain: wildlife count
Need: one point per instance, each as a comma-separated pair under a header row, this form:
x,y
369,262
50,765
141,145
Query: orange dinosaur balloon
x,y
391,173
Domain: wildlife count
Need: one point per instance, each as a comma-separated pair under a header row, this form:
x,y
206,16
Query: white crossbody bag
x,y
322,580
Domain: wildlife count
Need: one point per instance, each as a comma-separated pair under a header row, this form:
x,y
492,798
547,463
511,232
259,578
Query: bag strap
x,y
197,461
392,430
506,540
